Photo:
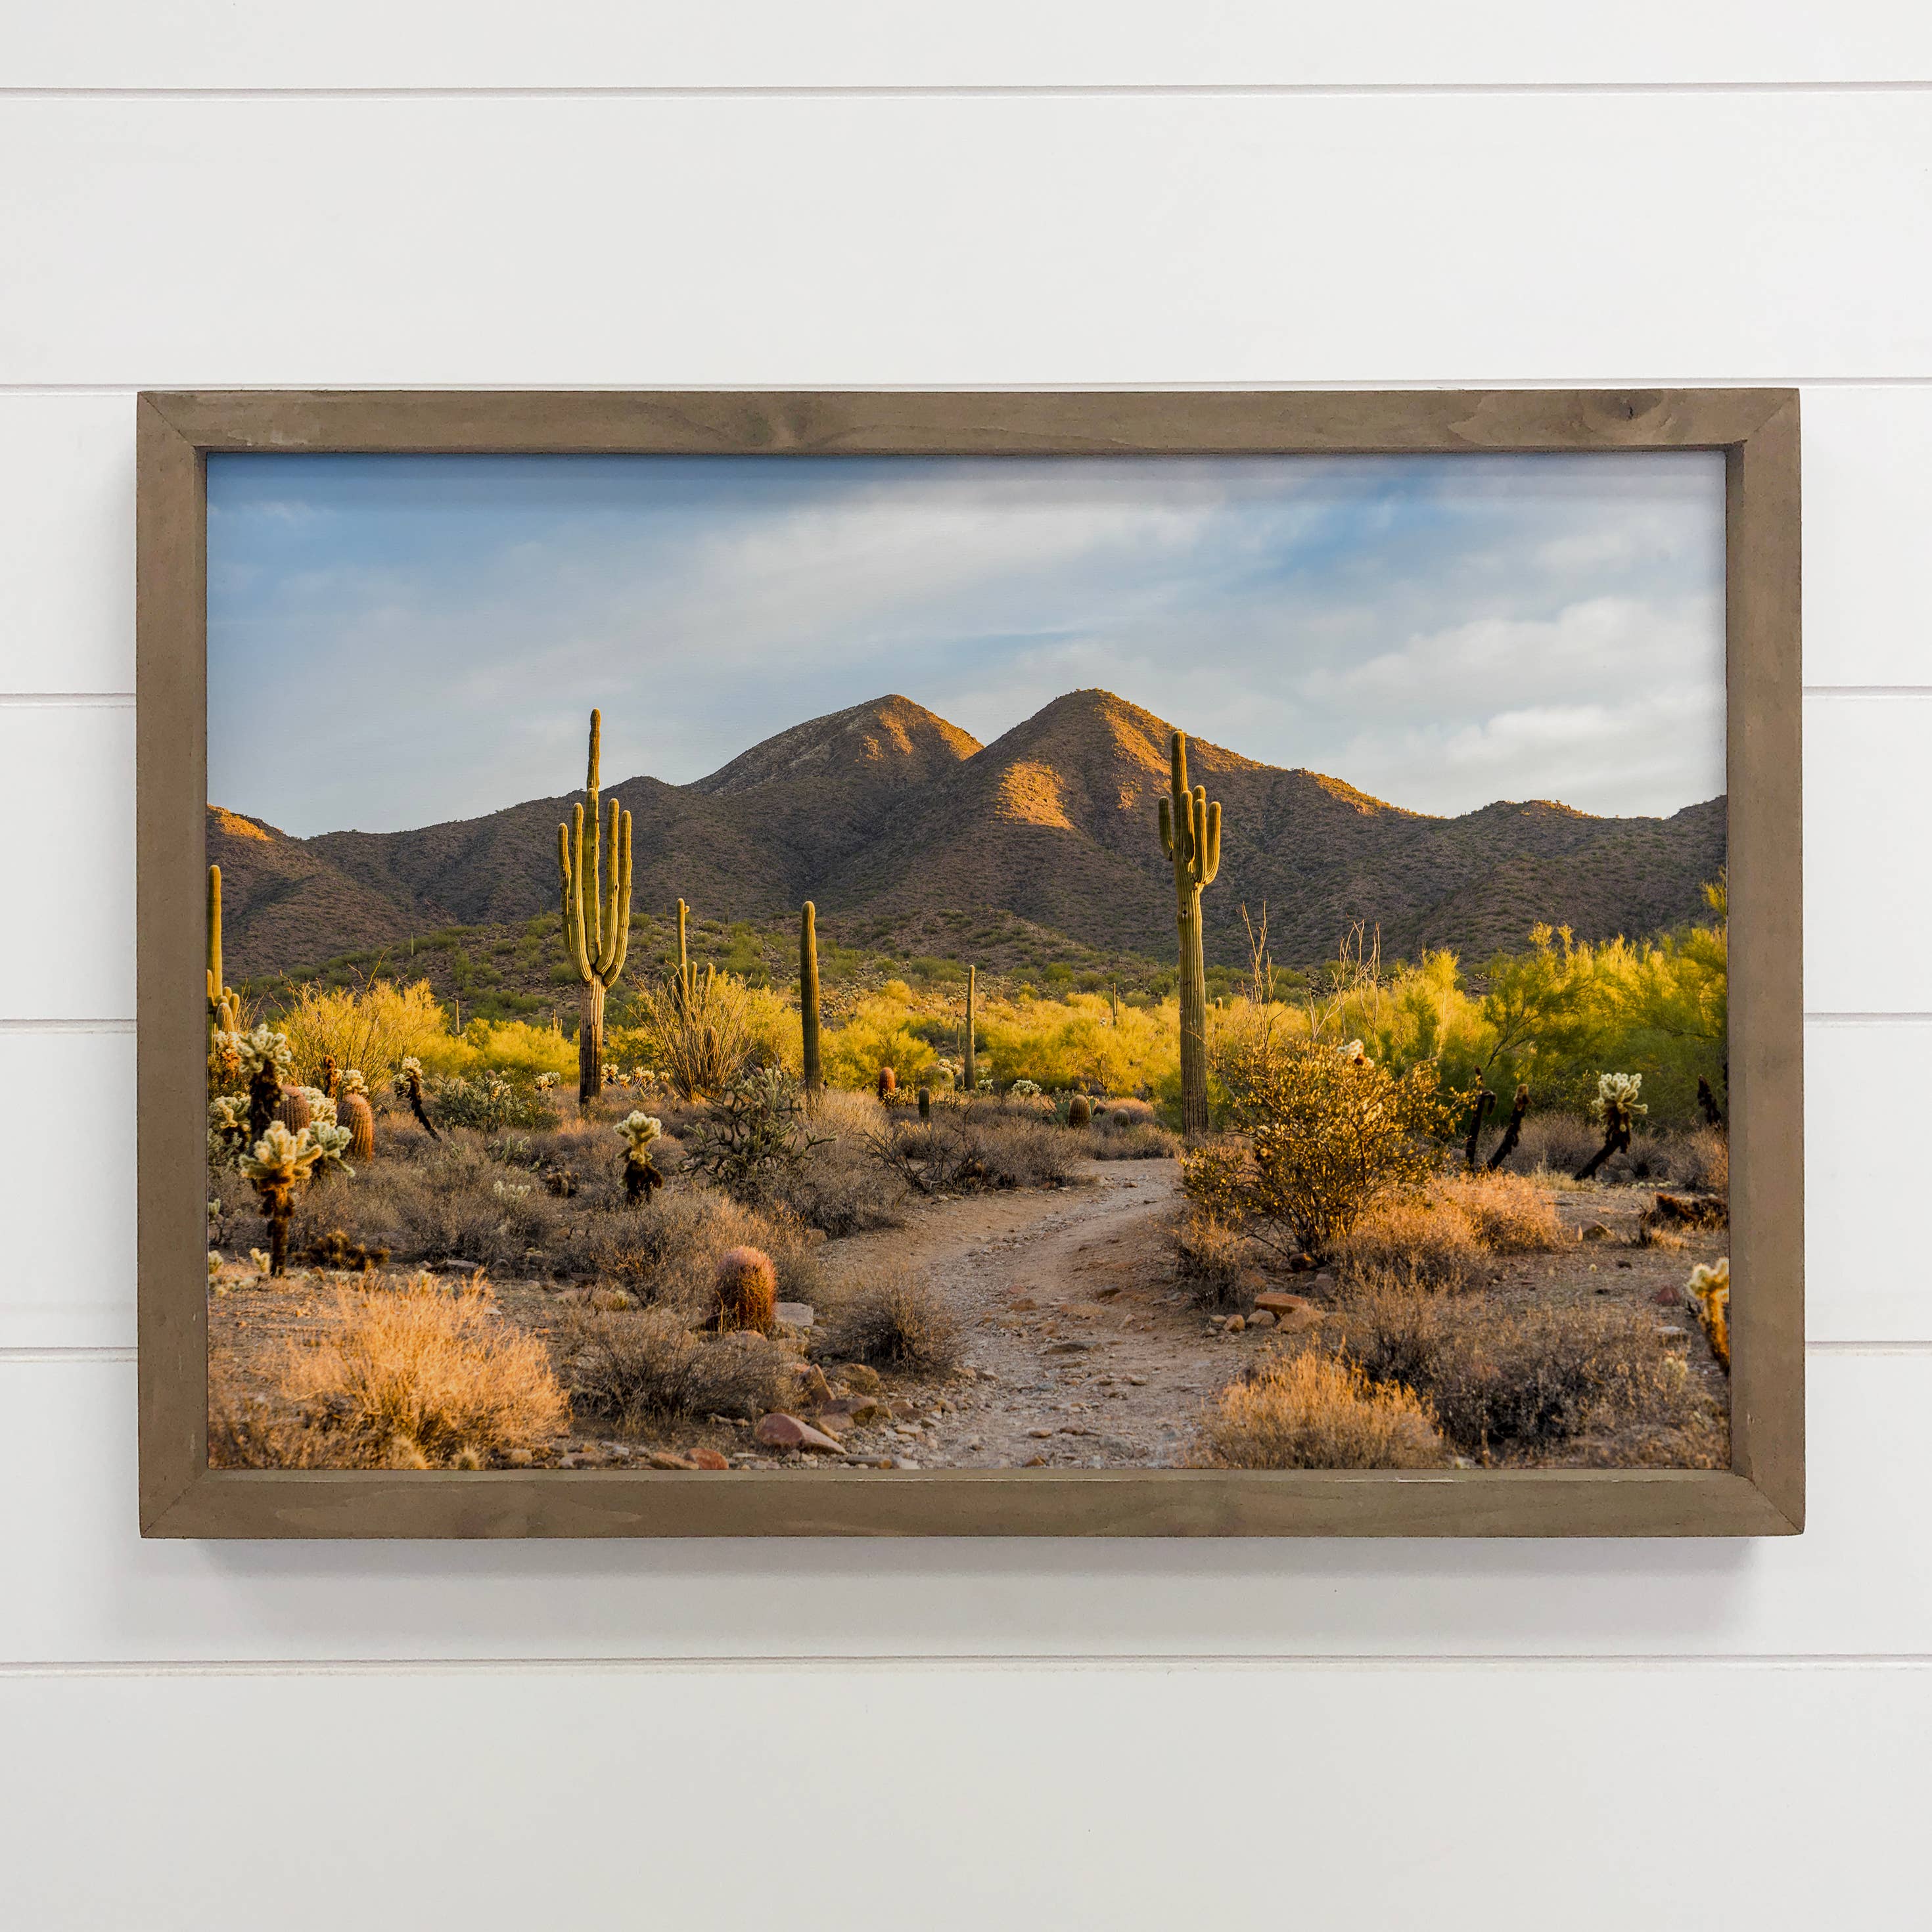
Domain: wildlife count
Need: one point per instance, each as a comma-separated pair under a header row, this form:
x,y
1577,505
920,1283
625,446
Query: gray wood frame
x,y
1763,1492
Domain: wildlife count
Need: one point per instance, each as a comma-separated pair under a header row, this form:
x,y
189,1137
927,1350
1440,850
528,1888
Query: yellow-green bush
x,y
372,1027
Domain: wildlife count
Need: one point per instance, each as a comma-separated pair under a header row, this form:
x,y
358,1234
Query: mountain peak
x,y
888,740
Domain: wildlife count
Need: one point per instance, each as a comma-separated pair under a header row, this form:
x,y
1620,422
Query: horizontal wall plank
x,y
66,1190
83,1587
1754,1797
66,867
72,1225
1867,794
66,543
977,240
742,44
67,507
1867,510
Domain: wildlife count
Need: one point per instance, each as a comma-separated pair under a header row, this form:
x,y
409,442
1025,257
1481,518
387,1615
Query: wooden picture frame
x,y
1761,1494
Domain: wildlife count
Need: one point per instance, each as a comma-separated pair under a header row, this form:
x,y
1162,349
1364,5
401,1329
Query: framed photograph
x,y
1060,964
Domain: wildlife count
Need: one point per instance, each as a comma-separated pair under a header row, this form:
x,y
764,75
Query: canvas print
x,y
885,963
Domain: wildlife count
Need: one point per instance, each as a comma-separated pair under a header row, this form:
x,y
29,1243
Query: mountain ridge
x,y
884,811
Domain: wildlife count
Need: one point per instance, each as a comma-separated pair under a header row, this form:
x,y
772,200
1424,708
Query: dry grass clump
x,y
895,1321
632,1368
1128,1113
1520,1378
1210,1256
1136,1136
977,1144
413,1376
1415,1237
1509,1213
1310,1412
1444,1235
839,1186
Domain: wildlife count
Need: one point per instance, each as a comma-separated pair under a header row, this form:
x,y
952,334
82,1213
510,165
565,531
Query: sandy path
x,y
1083,1350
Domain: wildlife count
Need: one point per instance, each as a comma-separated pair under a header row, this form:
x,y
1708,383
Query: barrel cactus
x,y
889,1083
294,1110
354,1112
747,1287
1079,1111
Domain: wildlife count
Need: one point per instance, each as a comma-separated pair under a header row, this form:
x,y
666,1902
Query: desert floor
x,y
1083,1349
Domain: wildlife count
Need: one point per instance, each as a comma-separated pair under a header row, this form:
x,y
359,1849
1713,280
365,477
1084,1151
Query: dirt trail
x,y
1084,1351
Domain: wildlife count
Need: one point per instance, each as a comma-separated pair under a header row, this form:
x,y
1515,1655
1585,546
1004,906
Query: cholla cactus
x,y
1708,1292
1616,1094
264,1057
333,1144
227,1130
1356,1052
409,1085
321,1106
351,1081
985,1086
224,1058
1617,1107
545,1082
1027,1090
637,1130
279,1162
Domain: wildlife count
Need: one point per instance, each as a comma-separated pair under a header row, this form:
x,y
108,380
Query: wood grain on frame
x,y
1763,1493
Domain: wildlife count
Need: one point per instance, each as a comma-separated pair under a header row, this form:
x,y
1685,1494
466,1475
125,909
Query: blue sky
x,y
397,640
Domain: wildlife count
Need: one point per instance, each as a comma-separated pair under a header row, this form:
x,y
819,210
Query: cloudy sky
x,y
396,640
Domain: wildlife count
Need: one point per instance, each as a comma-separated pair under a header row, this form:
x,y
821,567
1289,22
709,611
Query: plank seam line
x,y
57,1027
1049,91
1032,1663
1823,1017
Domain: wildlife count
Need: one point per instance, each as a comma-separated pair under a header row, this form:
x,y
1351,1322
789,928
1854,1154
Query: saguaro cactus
x,y
1190,836
596,923
687,980
969,1063
222,1011
808,996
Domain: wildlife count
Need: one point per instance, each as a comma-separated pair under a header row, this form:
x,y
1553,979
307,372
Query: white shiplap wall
x,y
1595,1735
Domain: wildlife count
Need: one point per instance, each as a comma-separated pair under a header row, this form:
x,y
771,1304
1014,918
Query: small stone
x,y
1022,1303
708,1458
1034,1462
1275,1303
854,1411
793,1314
857,1375
1042,1433
1596,1232
1668,1297
1236,1324
669,1459
780,1431
1138,1381
1261,1318
1068,1348
904,1463
813,1388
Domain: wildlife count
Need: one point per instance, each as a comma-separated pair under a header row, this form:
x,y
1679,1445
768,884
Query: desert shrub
x,y
1210,1256
1130,1113
418,1368
700,1044
895,1321
1416,1237
486,1100
1522,1378
1556,1143
632,1368
1327,1131
1309,1412
372,1027
515,1048
1078,1042
754,1133
976,1144
881,1030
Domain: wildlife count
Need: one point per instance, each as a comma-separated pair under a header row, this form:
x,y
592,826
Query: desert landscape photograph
x,y
910,963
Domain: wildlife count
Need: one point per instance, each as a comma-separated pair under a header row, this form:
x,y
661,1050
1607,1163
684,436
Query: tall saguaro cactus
x,y
969,1064
687,980
221,1006
1190,836
596,923
808,996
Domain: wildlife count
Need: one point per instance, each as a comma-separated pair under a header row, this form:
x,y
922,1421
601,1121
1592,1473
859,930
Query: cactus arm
x,y
573,902
617,939
592,878
1210,863
606,951
1167,828
214,985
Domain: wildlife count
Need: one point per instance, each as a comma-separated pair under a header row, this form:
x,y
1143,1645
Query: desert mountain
x,y
886,811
